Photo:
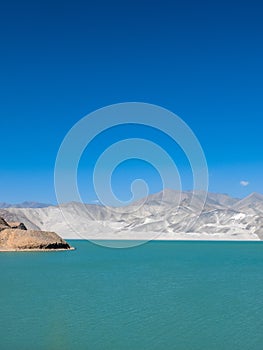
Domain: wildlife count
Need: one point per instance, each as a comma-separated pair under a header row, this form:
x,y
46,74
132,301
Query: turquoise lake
x,y
161,295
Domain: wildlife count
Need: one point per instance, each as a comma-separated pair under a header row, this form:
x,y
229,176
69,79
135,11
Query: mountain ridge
x,y
25,204
222,217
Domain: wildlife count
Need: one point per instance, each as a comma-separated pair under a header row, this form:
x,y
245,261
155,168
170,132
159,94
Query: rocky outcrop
x,y
3,224
18,225
14,236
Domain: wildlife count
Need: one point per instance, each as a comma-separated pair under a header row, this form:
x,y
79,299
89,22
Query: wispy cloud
x,y
244,183
95,201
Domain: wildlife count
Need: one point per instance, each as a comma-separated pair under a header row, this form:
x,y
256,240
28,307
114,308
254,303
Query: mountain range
x,y
157,217
25,204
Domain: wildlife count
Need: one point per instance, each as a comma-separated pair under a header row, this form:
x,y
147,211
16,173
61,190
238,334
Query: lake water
x,y
161,295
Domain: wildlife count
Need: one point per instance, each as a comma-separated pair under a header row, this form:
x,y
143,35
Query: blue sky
x,y
60,60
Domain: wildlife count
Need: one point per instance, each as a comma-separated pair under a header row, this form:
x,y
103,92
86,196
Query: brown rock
x,y
3,224
17,239
15,236
19,225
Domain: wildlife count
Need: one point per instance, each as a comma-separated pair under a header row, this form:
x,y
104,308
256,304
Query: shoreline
x,y
182,237
164,239
2,250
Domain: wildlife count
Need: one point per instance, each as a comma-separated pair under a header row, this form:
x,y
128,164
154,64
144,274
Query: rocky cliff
x,y
14,236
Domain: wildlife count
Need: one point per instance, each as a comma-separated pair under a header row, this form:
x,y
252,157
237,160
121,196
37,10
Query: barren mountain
x,y
24,205
165,215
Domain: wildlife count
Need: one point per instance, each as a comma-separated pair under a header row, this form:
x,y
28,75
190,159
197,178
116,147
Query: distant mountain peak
x,y
255,195
25,204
